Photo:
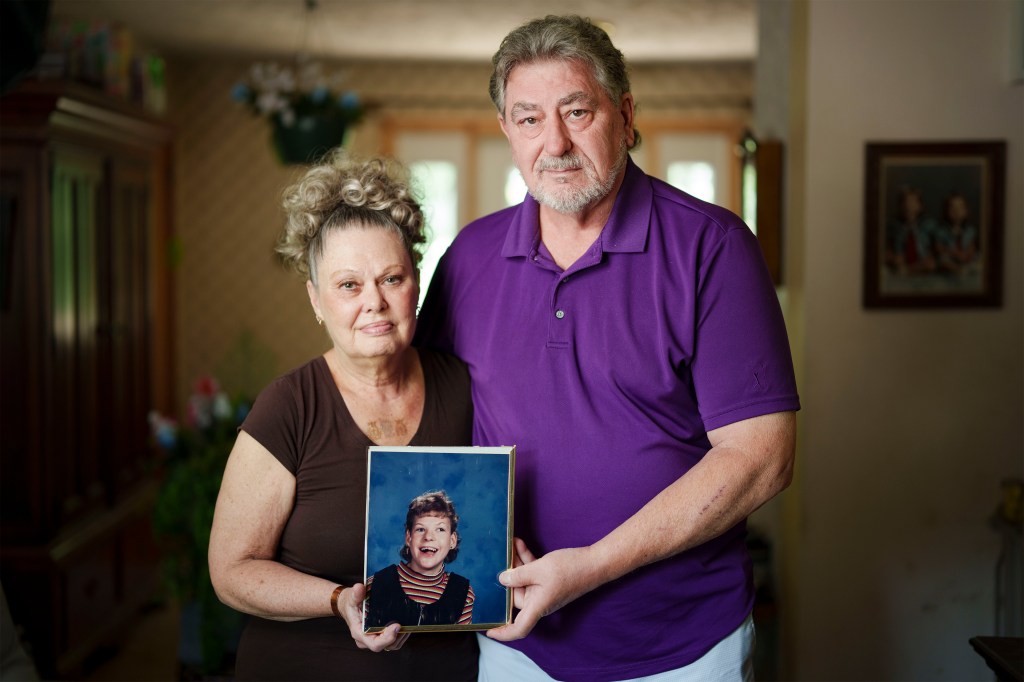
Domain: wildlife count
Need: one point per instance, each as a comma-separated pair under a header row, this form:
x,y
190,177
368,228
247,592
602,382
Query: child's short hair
x,y
432,502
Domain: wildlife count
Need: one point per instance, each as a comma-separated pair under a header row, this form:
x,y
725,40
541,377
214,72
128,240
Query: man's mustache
x,y
558,163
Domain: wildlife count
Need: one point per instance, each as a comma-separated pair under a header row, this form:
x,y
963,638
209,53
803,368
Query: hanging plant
x,y
307,113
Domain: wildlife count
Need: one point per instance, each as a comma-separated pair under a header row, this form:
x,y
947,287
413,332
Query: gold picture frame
x,y
479,482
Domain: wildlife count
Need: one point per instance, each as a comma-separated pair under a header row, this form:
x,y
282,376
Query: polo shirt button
x,y
559,314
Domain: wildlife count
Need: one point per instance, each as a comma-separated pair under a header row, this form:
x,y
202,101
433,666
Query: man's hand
x,y
750,461
542,586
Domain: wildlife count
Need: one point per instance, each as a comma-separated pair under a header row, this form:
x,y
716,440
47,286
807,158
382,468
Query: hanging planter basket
x,y
309,137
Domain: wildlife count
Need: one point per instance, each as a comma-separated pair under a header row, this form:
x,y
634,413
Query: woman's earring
x,y
320,320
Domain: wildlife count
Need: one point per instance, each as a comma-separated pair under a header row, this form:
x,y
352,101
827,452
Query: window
x,y
437,185
515,188
465,172
749,184
701,163
693,177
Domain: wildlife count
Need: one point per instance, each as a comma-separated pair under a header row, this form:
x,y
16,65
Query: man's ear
x,y
501,123
627,108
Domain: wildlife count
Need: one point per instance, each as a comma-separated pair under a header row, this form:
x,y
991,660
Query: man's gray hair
x,y
568,38
561,38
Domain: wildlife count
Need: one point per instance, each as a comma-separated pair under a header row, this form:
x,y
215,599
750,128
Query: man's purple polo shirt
x,y
606,377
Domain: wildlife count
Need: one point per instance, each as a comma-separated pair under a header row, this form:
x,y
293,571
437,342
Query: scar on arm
x,y
712,500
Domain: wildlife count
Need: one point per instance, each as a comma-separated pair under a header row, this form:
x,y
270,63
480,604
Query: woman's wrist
x,y
334,600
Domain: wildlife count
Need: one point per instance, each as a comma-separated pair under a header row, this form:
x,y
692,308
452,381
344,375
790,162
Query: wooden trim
x,y
732,126
474,124
768,163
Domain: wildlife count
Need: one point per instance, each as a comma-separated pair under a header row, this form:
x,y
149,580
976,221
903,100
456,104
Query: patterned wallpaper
x,y
239,315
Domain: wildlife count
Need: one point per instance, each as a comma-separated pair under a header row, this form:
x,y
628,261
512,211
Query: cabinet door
x,y
85,211
23,341
126,313
76,214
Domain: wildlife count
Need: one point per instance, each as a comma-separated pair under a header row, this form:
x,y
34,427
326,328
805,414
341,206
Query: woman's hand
x,y
542,586
350,603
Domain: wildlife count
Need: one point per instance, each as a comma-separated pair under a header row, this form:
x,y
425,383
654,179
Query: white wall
x,y
911,417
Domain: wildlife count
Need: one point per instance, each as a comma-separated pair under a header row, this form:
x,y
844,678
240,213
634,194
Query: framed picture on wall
x,y
438,533
933,214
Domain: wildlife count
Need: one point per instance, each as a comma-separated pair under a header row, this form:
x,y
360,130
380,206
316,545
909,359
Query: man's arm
x,y
749,462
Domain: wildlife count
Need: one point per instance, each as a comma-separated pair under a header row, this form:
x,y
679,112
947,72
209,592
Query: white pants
x,y
730,660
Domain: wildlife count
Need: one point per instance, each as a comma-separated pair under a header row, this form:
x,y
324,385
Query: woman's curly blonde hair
x,y
343,191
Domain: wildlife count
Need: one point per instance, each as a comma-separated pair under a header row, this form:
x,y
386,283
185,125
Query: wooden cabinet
x,y
85,330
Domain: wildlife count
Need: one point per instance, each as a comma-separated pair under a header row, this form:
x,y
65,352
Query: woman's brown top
x,y
302,420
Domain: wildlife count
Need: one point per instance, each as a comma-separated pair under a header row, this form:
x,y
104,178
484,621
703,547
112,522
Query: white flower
x,y
270,103
222,406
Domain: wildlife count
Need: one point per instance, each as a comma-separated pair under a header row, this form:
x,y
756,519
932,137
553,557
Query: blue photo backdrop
x,y
477,484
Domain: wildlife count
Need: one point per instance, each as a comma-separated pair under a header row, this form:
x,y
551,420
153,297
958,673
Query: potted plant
x,y
307,114
193,465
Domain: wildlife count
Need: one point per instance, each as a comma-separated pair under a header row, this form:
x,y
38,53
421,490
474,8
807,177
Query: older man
x,y
626,337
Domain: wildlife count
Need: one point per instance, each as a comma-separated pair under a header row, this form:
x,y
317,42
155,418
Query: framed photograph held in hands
x,y
438,533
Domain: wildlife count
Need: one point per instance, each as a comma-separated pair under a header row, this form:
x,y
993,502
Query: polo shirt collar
x,y
625,231
630,220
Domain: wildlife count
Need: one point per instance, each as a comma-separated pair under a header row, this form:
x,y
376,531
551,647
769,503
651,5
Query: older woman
x,y
288,532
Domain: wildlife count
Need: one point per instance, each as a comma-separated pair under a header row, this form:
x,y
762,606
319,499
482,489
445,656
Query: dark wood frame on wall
x,y
922,273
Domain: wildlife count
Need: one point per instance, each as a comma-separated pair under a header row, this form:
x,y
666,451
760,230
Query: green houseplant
x,y
307,114
193,465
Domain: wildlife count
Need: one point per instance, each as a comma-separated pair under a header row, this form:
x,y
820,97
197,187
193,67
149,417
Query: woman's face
x,y
911,206
429,541
956,210
366,292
